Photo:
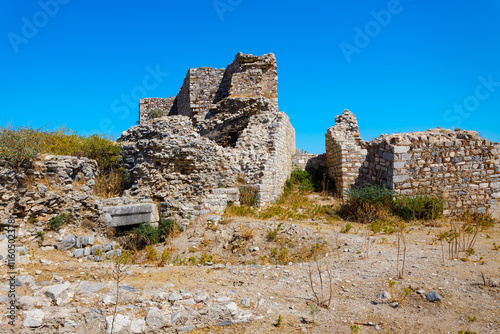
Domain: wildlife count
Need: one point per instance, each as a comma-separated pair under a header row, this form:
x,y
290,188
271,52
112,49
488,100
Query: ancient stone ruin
x,y
223,130
223,135
190,155
459,166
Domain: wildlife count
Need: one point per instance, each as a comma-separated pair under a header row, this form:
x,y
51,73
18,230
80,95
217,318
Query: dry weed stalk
x,y
401,244
488,282
118,276
321,299
460,238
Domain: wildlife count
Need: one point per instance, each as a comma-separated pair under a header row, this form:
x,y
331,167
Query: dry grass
x,y
246,233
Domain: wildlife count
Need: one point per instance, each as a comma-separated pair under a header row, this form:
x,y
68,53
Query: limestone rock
x,y
120,324
155,319
33,318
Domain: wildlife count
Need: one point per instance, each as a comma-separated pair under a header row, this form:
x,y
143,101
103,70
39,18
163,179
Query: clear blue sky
x,y
398,65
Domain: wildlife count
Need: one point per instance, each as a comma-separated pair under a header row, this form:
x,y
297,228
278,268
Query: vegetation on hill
x,y
21,145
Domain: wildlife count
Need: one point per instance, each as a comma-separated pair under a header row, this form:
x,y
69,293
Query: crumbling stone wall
x,y
309,161
51,185
345,151
224,129
197,94
171,162
154,106
458,166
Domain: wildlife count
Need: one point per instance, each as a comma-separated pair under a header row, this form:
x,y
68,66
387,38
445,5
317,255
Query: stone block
x,y
399,164
88,240
132,214
401,149
79,252
388,156
400,178
55,291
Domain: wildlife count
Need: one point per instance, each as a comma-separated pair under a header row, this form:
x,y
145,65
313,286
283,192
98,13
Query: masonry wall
x,y
171,163
345,152
309,161
161,106
459,166
275,171
51,185
204,83
224,130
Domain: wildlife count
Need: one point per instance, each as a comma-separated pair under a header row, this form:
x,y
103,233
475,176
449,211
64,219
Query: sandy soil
x,y
360,271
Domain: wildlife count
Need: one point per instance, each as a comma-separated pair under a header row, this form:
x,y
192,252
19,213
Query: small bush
x,y
164,258
206,258
147,234
283,257
367,204
346,228
19,145
301,178
418,207
152,255
41,234
155,113
273,233
246,233
56,222
370,203
388,226
373,194
482,220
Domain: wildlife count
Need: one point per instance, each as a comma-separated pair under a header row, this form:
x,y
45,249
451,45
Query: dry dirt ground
x,y
276,277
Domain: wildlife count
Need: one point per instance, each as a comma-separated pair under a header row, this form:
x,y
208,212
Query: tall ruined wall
x,y
198,92
265,151
345,152
229,132
459,166
250,76
51,185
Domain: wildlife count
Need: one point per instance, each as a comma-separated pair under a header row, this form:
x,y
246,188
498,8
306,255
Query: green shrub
x,y
147,234
155,113
41,234
418,207
301,178
273,233
57,221
19,145
346,228
370,203
373,194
